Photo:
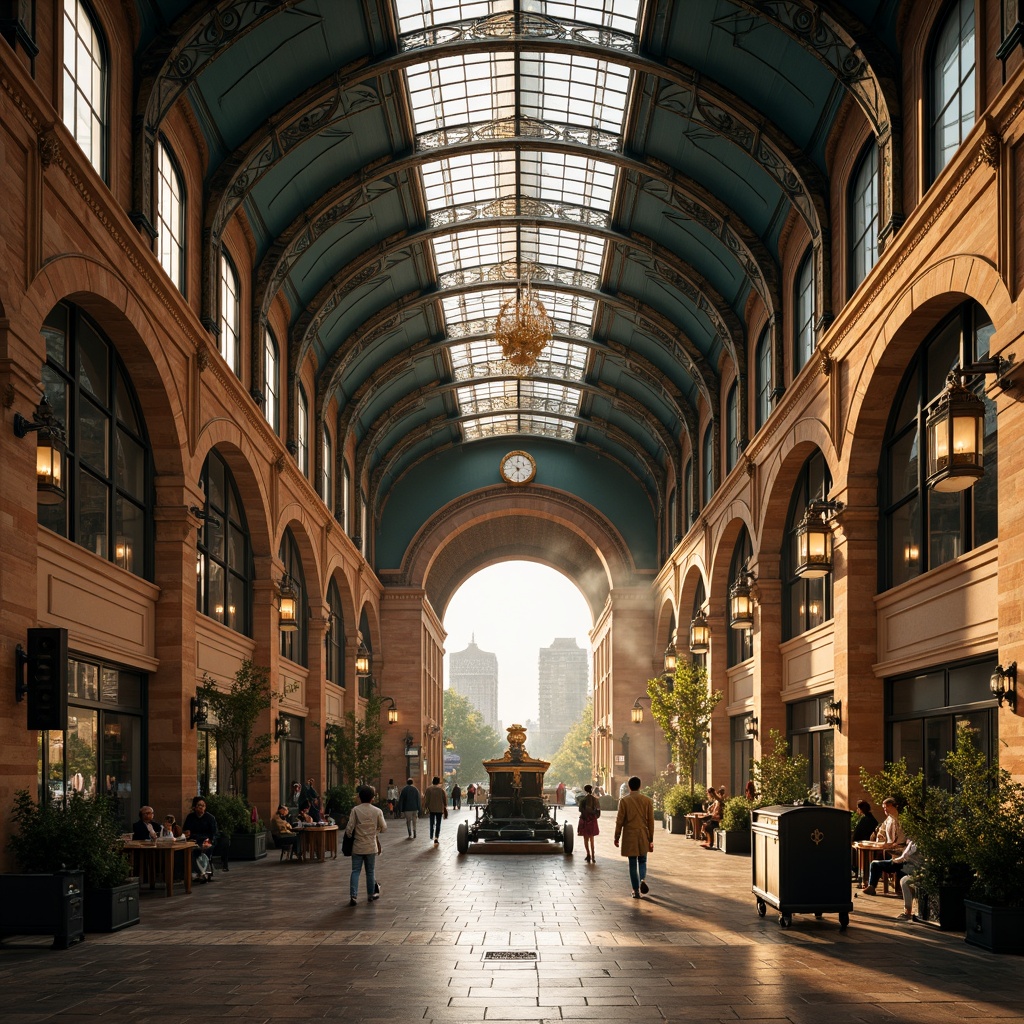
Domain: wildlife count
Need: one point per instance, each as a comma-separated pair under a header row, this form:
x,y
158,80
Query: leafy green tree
x,y
683,706
571,763
470,737
233,715
359,744
778,777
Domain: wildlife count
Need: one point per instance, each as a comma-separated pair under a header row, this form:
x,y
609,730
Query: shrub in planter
x,y
245,839
680,800
338,802
734,834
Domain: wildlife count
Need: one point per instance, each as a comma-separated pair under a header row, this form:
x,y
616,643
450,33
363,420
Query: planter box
x,y
110,910
43,905
997,929
946,910
248,846
676,824
733,842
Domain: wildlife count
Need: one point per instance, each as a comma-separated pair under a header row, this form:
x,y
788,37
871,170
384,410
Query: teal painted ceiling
x,y
404,167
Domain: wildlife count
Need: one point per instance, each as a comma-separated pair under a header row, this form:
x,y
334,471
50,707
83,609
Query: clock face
x,y
518,468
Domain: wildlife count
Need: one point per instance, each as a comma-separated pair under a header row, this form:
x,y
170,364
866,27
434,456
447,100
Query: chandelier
x,y
522,329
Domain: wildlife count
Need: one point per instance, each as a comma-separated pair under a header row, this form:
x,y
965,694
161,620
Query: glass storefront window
x,y
811,737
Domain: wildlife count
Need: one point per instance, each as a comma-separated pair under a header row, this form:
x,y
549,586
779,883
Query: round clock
x,y
518,468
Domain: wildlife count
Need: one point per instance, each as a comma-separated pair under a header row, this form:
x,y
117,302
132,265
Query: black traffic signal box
x,y
47,678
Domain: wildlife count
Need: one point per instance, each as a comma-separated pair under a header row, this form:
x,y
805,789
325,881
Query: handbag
x,y
346,844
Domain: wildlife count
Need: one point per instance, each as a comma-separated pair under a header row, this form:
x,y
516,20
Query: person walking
x,y
365,823
590,811
471,794
409,804
456,797
392,798
634,824
435,801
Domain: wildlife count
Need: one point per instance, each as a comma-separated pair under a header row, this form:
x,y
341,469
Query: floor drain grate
x,y
510,954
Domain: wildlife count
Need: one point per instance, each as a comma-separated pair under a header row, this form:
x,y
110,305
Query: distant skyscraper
x,y
562,691
474,674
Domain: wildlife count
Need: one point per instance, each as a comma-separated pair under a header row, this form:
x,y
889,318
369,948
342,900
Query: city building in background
x,y
474,673
562,691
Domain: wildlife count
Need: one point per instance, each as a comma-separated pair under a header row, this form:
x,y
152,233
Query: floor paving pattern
x,y
504,938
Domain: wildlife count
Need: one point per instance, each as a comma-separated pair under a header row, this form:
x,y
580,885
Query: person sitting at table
x,y
895,839
201,827
283,836
315,811
714,818
144,829
864,829
170,828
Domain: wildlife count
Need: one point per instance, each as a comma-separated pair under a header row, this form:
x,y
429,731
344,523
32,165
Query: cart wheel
x,y
462,837
762,908
568,837
784,920
844,920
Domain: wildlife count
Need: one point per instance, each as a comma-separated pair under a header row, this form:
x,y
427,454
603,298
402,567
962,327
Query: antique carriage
x,y
516,812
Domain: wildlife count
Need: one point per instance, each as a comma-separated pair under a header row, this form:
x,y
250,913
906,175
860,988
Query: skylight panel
x,y
617,14
414,15
469,178
469,88
573,89
475,248
568,178
568,249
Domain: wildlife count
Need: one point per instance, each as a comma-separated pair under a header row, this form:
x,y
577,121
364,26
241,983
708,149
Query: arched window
x,y
671,526
335,637
327,471
806,603
109,473
862,228
952,87
741,641
346,498
225,563
271,381
230,315
294,642
689,504
923,528
170,216
302,432
85,82
708,465
803,319
763,368
732,428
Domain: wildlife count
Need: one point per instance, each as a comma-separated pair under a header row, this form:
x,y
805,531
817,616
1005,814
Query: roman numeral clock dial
x,y
518,468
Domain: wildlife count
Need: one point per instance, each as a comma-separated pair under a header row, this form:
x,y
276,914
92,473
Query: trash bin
x,y
800,860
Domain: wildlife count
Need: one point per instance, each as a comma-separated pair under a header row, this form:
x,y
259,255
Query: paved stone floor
x,y
277,941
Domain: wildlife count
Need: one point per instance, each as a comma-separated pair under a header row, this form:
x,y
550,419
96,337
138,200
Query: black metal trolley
x,y
800,861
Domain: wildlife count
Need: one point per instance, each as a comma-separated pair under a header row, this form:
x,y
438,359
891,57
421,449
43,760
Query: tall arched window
x,y
732,428
952,87
225,563
689,504
803,319
294,643
862,225
109,473
327,470
763,368
85,83
170,216
805,603
335,637
741,641
302,432
271,381
708,465
672,525
924,529
230,316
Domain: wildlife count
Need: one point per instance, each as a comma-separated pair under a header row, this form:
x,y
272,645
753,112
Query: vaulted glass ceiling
x,y
480,265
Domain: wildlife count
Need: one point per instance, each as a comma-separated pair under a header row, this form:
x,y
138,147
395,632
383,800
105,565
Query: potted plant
x,y
734,834
245,835
79,833
679,802
778,777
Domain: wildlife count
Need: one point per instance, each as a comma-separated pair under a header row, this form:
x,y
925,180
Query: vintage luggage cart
x,y
516,811
800,859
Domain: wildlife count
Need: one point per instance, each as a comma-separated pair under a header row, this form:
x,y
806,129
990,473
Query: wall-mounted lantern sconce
x,y
955,429
700,634
834,714
1003,685
204,516
198,712
330,734
636,713
741,600
392,711
364,660
750,727
669,659
288,620
283,728
814,539
51,447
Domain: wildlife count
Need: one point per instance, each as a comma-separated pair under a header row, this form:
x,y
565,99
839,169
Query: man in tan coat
x,y
435,801
635,825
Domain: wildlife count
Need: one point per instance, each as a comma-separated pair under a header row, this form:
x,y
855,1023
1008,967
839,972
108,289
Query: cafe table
x,y
147,857
317,841
696,821
867,851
